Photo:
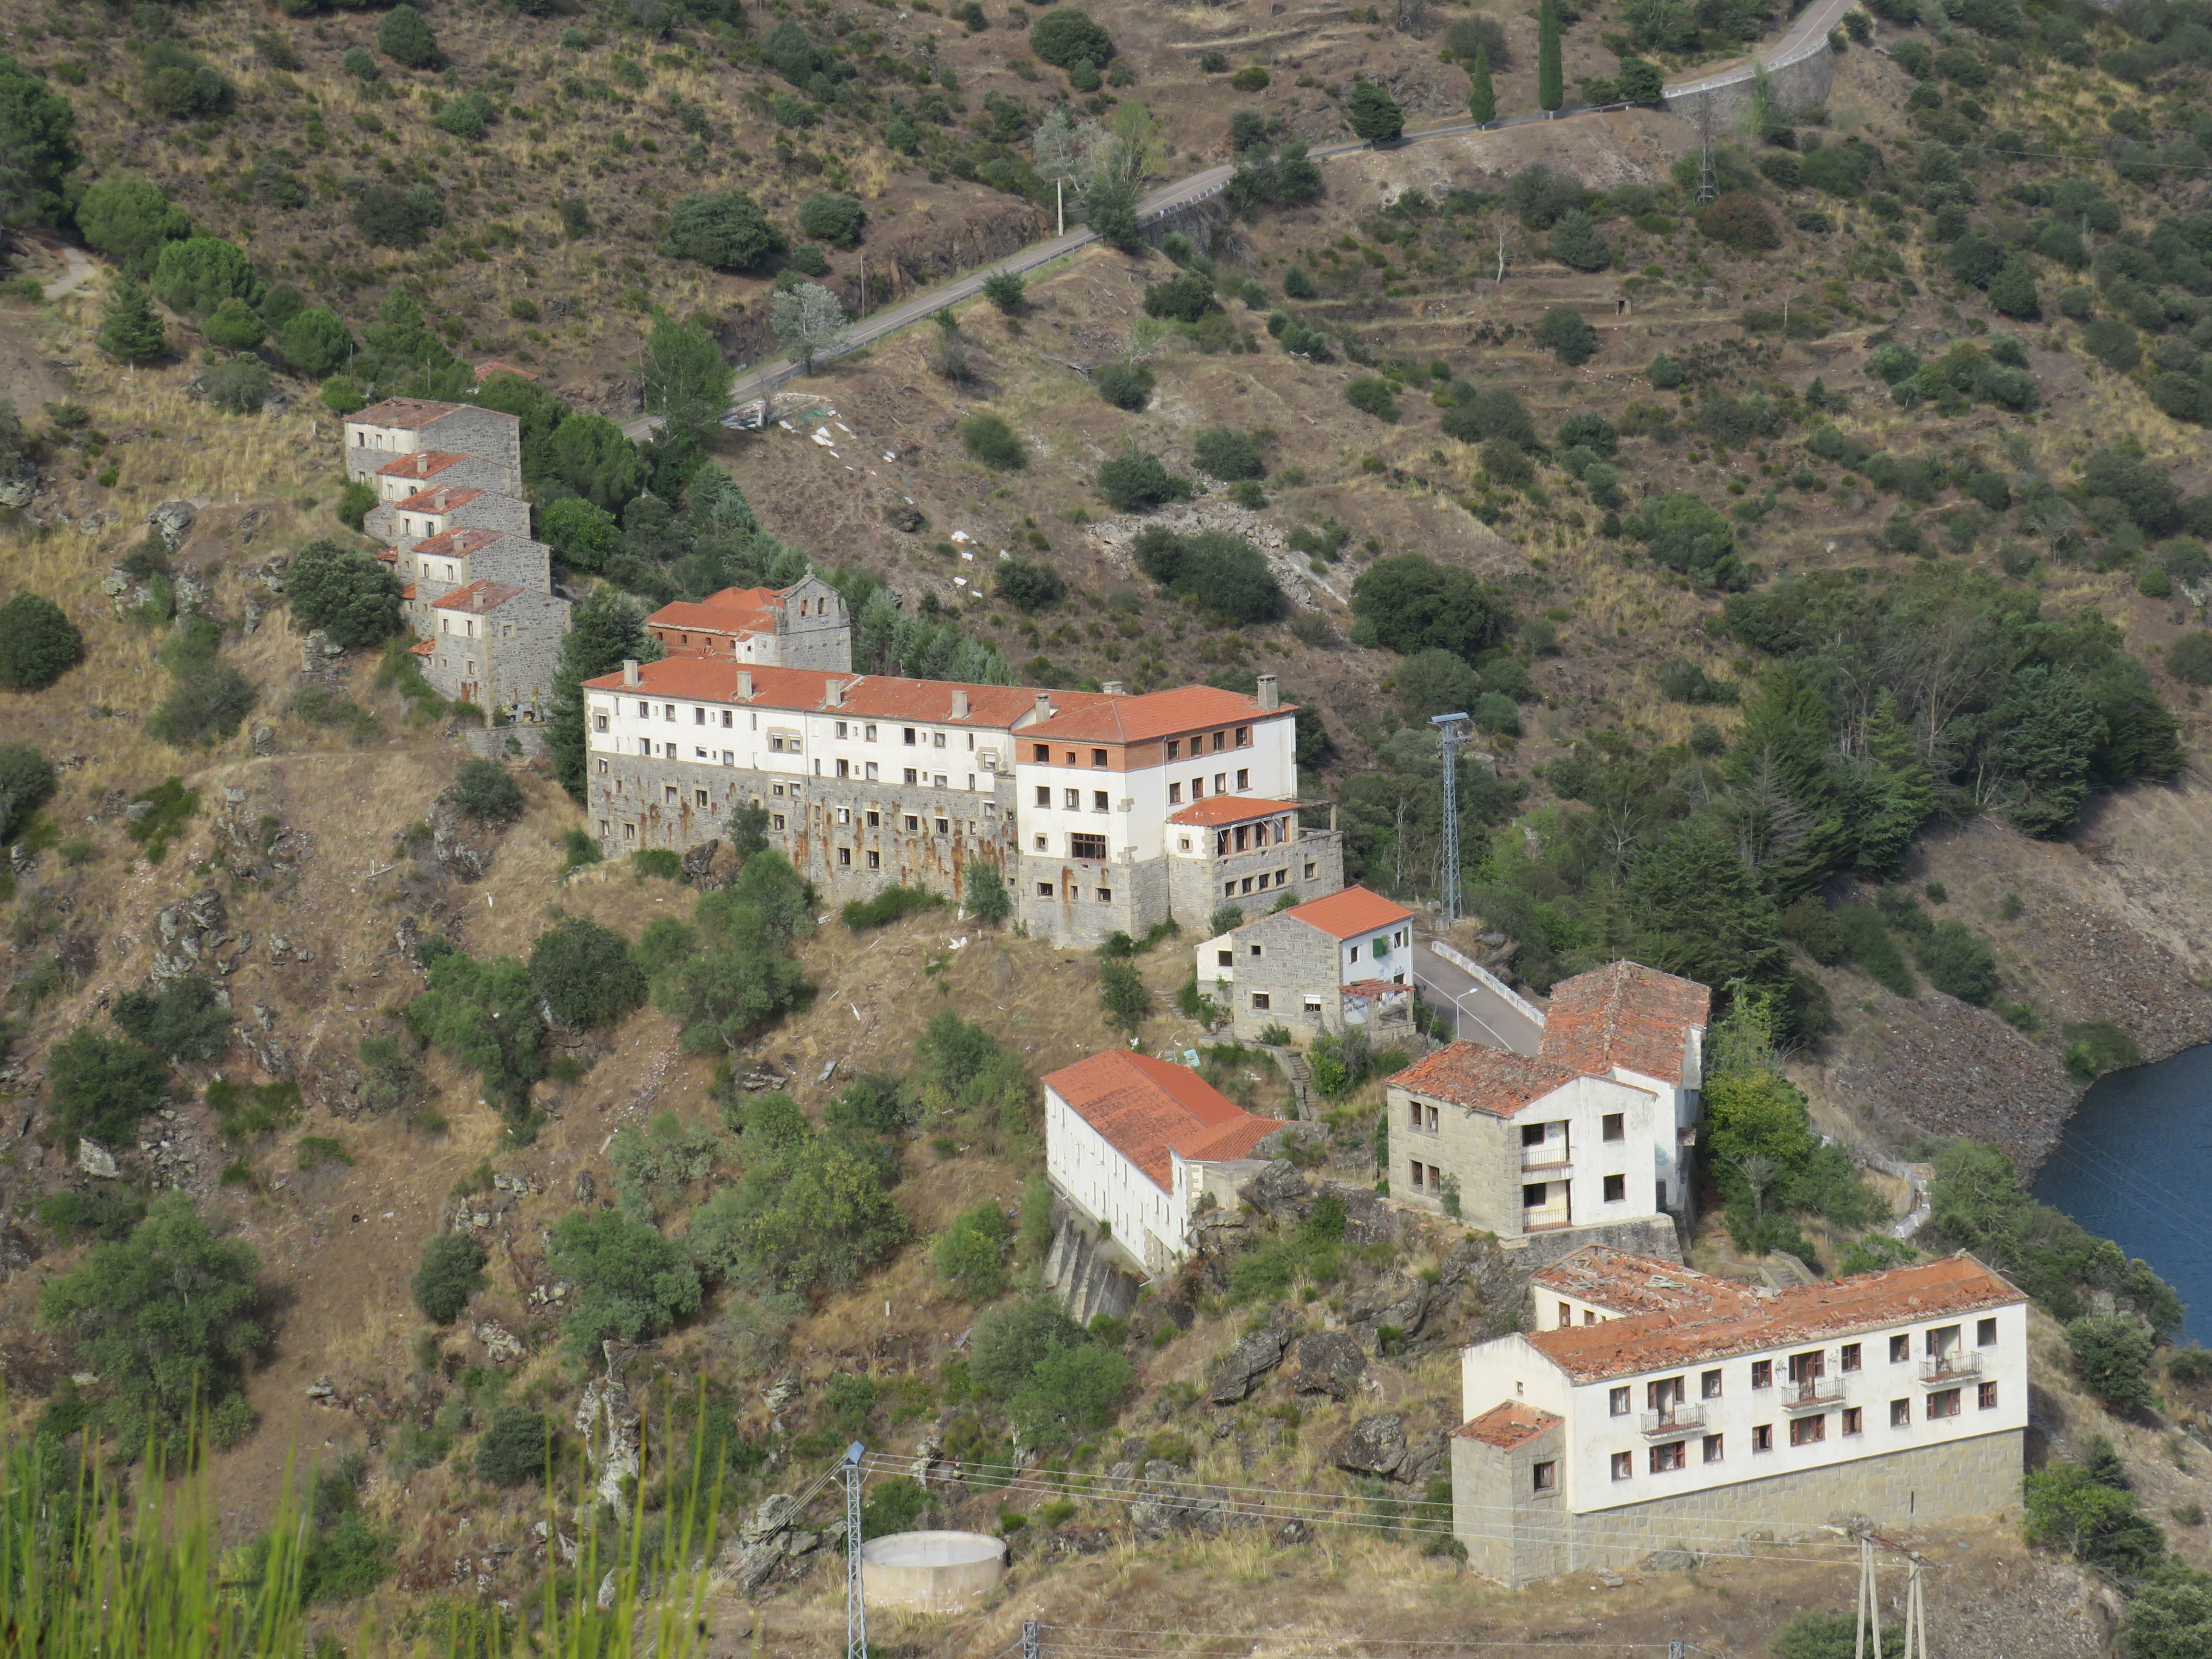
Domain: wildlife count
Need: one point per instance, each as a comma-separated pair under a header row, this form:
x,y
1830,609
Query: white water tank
x,y
931,1571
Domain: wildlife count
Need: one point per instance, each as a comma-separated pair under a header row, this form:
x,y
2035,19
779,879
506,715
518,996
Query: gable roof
x,y
439,498
1216,809
477,597
806,690
1349,912
1624,1014
1802,1314
1625,1283
1510,1424
1106,719
711,618
1487,1079
1148,1110
408,414
423,464
463,543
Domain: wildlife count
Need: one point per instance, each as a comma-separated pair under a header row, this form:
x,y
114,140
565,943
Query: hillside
x,y
1830,602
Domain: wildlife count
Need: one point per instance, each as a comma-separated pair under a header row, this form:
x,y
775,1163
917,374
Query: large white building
x,y
870,780
1657,1407
1130,1141
1595,1130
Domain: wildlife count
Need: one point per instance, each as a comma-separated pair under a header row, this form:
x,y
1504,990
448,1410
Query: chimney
x,y
959,703
1044,705
1113,688
745,684
629,670
836,694
1270,696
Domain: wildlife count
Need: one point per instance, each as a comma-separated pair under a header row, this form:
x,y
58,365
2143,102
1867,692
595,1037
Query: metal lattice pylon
x,y
856,1607
1451,732
1708,179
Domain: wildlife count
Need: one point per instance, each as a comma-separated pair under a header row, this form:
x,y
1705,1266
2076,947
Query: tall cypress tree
x,y
604,630
1481,96
1551,84
129,327
1896,794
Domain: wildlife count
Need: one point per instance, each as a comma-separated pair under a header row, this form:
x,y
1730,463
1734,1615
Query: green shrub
x,y
892,904
1228,453
586,974
38,643
828,217
169,805
989,440
1370,394
1225,573
1028,584
1122,995
2112,1356
351,596
450,1272
101,1086
517,1447
1125,384
405,37
2189,659
485,789
238,386
1742,222
723,229
631,1283
27,783
657,864
1958,963
181,1019
1563,331
1067,35
970,1255
2097,1046
1136,481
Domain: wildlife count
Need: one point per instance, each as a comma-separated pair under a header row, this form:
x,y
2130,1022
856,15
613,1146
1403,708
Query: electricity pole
x,y
1451,732
856,1607
1869,1623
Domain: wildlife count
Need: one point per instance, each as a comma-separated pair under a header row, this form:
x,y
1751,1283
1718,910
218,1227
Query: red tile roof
x,y
1147,1109
1483,1078
408,592
389,555
1624,1283
1155,714
1350,913
443,498
1626,1015
1802,1314
1510,1424
711,618
423,647
408,414
421,464
1218,810
740,598
477,597
461,543
867,697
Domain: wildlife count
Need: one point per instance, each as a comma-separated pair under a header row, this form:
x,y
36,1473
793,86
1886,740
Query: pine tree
x,y
604,630
129,327
1551,84
1896,794
1481,96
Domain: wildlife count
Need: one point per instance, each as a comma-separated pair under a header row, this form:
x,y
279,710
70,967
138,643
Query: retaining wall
x,y
1801,80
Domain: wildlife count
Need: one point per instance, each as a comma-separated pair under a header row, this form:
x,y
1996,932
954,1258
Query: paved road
x,y
1484,1016
1814,23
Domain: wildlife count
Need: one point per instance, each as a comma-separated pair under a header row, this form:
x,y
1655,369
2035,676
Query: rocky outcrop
x,y
192,935
171,522
1375,1446
1239,1372
606,1420
1293,571
1330,1363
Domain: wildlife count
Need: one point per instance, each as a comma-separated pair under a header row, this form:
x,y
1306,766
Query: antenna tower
x,y
1451,732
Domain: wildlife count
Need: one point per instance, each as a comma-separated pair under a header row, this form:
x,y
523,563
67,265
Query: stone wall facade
x,y
1297,962
485,510
1310,866
468,472
512,561
1518,1534
507,668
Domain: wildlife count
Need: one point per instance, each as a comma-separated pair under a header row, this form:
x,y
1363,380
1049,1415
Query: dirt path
x,y
79,273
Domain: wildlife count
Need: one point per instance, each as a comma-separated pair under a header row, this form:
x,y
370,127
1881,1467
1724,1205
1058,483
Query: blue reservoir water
x,y
2135,1164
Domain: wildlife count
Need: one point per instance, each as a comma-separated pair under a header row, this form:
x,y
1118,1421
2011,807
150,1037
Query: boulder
x,y
95,1160
1330,1363
171,521
1375,1446
1279,1192
1253,1358
18,480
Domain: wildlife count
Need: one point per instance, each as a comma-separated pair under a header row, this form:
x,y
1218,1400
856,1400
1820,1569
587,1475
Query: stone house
x,y
1130,1141
496,646
442,564
444,507
802,626
409,475
1655,1405
873,780
1296,968
414,426
1595,1130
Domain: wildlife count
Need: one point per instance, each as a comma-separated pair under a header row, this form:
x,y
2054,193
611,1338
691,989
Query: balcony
x,y
1551,1159
1959,1365
1815,1394
1683,1418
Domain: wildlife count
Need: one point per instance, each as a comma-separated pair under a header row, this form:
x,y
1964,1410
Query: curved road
x,y
1814,23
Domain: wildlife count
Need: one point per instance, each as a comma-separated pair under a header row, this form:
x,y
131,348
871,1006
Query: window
x,y
875,820
1313,1006
699,797
1092,847
1546,1477
1532,1195
1098,800
1221,783
1900,1414
868,733
1225,958
1618,1401
1566,1314
698,716
1854,1420
1985,1333
845,856
775,821
1614,1126
1616,1189
1255,949
1174,747
629,832
1809,1431
1105,895
1985,1396
875,860
1072,800
1709,1385
727,719
1260,1000
1762,1437
1713,1449
1414,1169
1762,1373
1220,740
668,794
912,776
1098,757
907,735
1944,1402
1849,1356
1243,778
1243,737
872,771
937,740
1044,889
1044,797
944,826
911,823
599,722
603,769
1668,1458
1900,1349
1624,1465
1174,798
1041,753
